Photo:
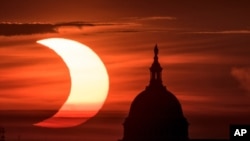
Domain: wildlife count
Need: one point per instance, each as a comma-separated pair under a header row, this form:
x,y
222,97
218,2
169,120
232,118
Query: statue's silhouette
x,y
155,114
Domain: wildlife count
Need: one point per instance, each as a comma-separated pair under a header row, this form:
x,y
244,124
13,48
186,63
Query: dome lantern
x,y
155,70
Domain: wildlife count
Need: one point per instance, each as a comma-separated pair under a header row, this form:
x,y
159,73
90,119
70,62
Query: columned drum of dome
x,y
155,114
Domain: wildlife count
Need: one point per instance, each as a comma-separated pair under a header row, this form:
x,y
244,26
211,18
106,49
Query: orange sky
x,y
203,49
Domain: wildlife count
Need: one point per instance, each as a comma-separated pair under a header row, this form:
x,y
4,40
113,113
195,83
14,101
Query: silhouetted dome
x,y
155,114
156,103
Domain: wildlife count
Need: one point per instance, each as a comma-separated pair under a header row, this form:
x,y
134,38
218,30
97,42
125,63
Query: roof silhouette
x,y
155,114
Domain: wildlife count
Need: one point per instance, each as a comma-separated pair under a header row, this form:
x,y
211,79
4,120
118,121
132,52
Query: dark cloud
x,y
7,29
12,29
152,18
81,24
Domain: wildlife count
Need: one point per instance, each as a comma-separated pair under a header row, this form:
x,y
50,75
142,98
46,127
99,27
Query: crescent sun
x,y
89,83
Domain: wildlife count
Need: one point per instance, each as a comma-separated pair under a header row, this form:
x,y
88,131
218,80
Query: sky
x,y
203,46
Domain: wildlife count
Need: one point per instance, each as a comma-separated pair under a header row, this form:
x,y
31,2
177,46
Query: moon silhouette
x,y
89,83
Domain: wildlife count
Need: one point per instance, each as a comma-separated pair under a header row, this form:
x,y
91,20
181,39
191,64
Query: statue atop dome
x,y
156,50
155,114
155,70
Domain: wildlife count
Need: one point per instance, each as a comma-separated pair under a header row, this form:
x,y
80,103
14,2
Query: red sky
x,y
204,50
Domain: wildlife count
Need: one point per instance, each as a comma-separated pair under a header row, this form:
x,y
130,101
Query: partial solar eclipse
x,y
89,83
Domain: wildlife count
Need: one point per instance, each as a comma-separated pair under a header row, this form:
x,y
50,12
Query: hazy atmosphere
x,y
203,46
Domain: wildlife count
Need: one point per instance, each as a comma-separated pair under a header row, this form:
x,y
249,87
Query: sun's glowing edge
x,y
78,108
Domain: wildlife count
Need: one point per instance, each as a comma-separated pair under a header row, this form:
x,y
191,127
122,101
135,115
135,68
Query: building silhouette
x,y
155,114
